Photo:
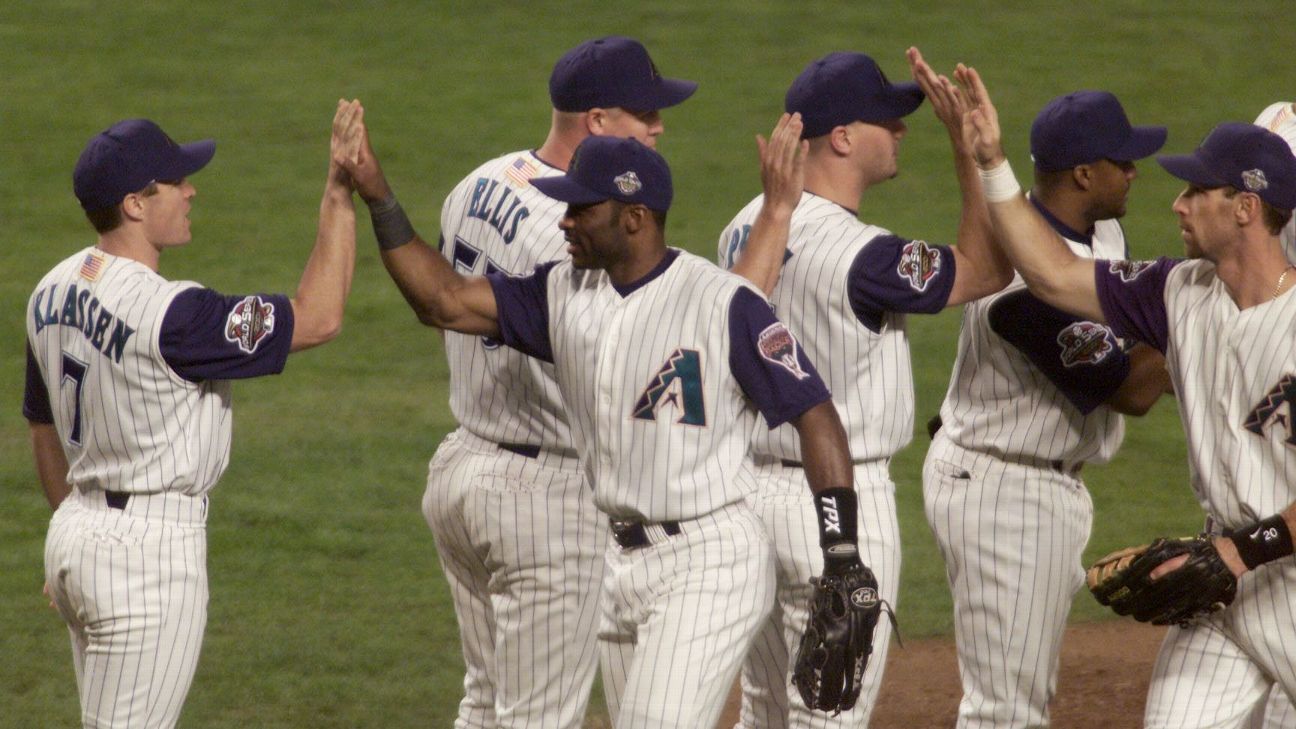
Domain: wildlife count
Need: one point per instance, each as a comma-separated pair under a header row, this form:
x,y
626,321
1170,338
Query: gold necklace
x,y
1281,279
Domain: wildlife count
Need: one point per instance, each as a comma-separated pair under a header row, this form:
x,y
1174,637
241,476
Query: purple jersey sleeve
x,y
769,363
36,404
1082,358
210,336
523,306
1132,296
897,274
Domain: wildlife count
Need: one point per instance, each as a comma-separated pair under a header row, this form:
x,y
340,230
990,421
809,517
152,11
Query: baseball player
x,y
1035,394
847,286
1221,317
516,531
128,396
663,361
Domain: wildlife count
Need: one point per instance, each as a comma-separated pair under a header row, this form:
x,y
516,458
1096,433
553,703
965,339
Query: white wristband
x,y
1000,184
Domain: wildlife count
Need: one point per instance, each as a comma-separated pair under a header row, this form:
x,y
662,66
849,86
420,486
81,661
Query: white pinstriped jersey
x,y
1280,119
869,373
494,220
1234,373
650,375
147,429
1001,404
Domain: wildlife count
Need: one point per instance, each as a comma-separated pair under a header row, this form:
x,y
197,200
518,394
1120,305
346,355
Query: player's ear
x,y
840,140
1082,175
634,218
1246,209
596,120
132,207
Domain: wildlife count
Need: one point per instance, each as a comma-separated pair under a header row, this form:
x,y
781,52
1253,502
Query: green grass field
x,y
328,608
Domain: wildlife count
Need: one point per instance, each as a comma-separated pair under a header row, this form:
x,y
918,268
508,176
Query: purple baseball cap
x,y
1086,126
613,71
1244,156
612,168
127,156
845,87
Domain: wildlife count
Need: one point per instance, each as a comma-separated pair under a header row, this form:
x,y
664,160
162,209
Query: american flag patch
x,y
91,266
520,172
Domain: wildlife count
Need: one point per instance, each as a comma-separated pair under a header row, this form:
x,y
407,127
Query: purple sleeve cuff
x,y
36,404
769,363
897,274
1132,296
209,336
1081,358
523,306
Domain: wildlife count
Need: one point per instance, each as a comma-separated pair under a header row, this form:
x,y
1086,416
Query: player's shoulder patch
x,y
250,321
520,171
92,266
1129,270
777,345
919,264
1085,343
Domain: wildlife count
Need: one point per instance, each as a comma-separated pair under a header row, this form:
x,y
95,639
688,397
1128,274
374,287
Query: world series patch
x,y
777,345
1084,342
250,321
919,263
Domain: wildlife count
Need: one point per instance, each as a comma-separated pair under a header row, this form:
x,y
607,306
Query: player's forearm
x,y
1051,271
1147,380
984,268
51,463
825,450
761,260
326,280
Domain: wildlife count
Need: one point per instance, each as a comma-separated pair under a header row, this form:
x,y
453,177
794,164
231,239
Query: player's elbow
x,y
313,328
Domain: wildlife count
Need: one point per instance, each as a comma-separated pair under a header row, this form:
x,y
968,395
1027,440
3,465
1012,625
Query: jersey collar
x,y
659,269
1062,229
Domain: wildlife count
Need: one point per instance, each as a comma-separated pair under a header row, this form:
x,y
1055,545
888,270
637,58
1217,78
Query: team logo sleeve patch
x,y
250,321
919,264
777,345
1084,343
1129,270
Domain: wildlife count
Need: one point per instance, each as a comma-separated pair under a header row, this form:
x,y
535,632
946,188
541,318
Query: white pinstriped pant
x,y
1012,537
678,617
1226,671
132,587
522,547
786,508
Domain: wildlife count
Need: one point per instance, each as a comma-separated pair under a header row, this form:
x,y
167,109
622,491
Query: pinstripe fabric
x,y
519,539
770,700
609,348
1226,365
870,376
132,588
145,429
491,223
514,538
678,617
1013,530
1012,537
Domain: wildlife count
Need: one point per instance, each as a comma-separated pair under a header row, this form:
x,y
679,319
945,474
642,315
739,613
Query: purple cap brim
x,y
669,92
564,189
1143,142
905,99
1190,168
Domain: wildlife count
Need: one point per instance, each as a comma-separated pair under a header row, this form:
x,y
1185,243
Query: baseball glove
x,y
1203,585
844,611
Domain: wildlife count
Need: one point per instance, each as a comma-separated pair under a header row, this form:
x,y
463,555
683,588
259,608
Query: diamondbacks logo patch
x,y
1277,409
919,263
1129,270
678,383
1084,343
777,345
250,321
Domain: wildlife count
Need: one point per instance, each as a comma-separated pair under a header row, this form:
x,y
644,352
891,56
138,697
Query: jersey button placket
x,y
607,371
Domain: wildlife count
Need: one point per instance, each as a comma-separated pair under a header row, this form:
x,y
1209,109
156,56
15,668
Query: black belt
x,y
522,449
116,499
1061,467
634,534
789,463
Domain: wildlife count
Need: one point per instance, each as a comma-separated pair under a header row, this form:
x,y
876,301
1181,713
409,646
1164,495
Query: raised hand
x,y
783,163
945,98
981,121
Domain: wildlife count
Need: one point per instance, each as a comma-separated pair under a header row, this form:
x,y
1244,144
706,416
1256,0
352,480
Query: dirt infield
x,y
1103,681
